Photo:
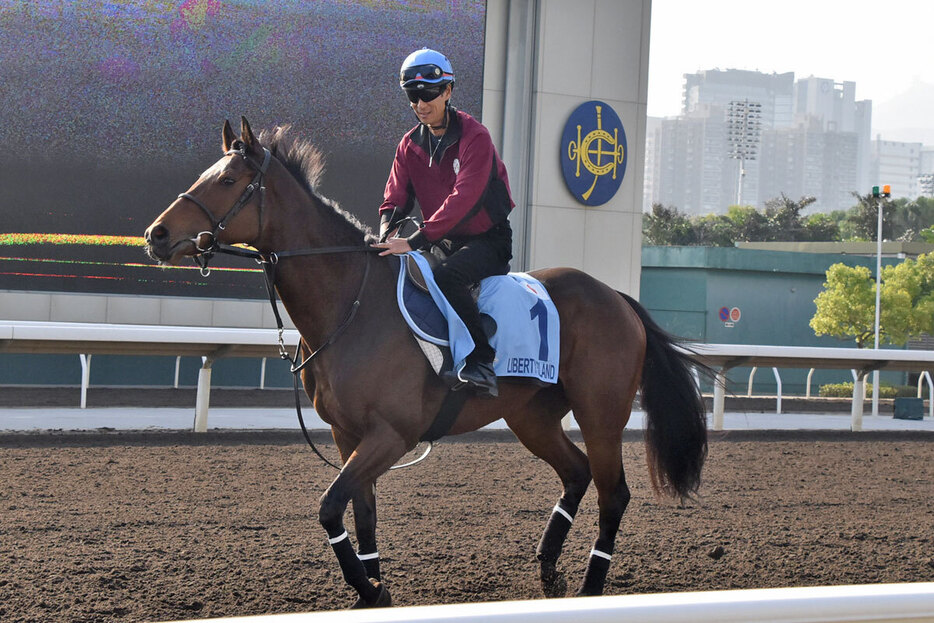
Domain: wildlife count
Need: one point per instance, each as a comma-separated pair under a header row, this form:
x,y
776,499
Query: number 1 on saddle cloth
x,y
526,337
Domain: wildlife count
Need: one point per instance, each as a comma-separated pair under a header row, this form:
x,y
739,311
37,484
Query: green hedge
x,y
845,390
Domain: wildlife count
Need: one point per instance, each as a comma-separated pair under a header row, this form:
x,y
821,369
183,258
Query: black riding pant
x,y
473,259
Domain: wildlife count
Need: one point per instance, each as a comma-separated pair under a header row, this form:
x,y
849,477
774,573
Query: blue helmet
x,y
425,67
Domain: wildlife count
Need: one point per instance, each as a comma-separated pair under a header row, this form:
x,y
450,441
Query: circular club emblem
x,y
593,153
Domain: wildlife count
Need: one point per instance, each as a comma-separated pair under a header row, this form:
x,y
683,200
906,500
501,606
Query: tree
x,y
846,308
783,220
821,228
783,216
748,223
912,218
925,302
714,230
864,217
667,226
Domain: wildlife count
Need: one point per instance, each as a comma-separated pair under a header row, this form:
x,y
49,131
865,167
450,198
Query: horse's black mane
x,y
306,164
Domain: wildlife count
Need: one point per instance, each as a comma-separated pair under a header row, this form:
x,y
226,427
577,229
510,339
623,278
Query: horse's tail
x,y
675,423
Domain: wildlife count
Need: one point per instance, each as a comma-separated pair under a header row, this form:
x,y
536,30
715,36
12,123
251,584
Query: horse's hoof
x,y
383,600
583,593
553,582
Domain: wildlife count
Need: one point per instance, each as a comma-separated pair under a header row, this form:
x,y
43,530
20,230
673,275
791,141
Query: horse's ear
x,y
249,140
229,136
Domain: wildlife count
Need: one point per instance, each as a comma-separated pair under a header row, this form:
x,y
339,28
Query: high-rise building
x,y
805,161
834,107
718,87
815,141
898,164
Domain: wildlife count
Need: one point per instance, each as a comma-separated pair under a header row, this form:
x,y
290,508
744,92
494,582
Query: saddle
x,y
435,255
414,271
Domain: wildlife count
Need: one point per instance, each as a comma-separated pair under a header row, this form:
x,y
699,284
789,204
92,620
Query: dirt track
x,y
149,527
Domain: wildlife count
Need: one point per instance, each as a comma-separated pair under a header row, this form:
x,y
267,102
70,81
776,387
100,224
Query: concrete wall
x,y
164,310
571,52
685,287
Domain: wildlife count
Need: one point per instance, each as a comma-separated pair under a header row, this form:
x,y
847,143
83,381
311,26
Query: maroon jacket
x,y
461,186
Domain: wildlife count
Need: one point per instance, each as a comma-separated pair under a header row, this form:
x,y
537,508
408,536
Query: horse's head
x,y
223,205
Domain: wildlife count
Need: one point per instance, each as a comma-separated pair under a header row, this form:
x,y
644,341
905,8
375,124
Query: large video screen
x,y
108,110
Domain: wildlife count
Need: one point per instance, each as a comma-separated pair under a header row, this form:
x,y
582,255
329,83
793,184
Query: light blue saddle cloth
x,y
527,338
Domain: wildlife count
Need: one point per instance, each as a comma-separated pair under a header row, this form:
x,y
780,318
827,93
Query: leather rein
x,y
269,262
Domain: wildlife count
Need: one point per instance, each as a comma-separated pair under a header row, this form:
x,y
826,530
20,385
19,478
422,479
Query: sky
x,y
883,46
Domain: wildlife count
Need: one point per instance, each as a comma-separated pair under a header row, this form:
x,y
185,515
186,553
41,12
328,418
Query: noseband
x,y
217,225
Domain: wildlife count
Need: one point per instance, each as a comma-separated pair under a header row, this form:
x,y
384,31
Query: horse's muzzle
x,y
158,243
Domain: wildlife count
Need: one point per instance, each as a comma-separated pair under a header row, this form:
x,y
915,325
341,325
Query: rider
x,y
449,165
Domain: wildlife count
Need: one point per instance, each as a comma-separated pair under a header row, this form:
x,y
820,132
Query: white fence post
x,y
859,388
85,378
719,399
921,378
203,398
778,393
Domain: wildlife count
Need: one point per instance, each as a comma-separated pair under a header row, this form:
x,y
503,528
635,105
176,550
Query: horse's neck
x,y
317,291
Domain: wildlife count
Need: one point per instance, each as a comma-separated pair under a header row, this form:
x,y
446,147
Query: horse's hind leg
x,y
604,449
546,440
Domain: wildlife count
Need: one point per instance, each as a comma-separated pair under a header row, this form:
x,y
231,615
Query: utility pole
x,y
879,196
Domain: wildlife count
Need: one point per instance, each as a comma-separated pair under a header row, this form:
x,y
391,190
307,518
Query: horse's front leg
x,y
373,456
364,517
364,511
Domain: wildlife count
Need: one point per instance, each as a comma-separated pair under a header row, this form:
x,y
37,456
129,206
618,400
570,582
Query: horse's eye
x,y
227,181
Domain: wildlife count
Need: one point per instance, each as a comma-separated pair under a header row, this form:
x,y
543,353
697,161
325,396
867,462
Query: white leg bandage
x,y
598,553
563,513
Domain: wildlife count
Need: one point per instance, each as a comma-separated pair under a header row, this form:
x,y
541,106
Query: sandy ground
x,y
164,526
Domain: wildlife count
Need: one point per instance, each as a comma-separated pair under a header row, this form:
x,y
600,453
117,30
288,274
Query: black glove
x,y
385,225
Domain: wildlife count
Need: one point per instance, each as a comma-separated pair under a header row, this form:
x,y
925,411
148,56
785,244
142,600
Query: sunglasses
x,y
426,94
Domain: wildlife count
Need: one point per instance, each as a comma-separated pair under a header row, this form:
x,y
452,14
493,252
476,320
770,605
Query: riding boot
x,y
479,376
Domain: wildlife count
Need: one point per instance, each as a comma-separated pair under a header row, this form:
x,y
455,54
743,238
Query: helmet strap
x,y
444,121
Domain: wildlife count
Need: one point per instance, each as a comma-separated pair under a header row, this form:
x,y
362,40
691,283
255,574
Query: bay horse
x,y
369,380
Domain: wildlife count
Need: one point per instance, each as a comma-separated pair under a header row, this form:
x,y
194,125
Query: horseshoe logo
x,y
593,154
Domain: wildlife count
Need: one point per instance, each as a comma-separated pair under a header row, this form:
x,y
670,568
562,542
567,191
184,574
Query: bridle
x,y
269,263
217,225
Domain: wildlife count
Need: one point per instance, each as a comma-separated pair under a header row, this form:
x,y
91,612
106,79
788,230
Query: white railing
x,y
889,603
212,343
724,357
87,339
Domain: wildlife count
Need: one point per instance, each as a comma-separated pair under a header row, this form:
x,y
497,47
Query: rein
x,y
269,262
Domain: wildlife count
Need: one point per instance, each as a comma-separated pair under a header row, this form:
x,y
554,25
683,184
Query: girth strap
x,y
450,408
